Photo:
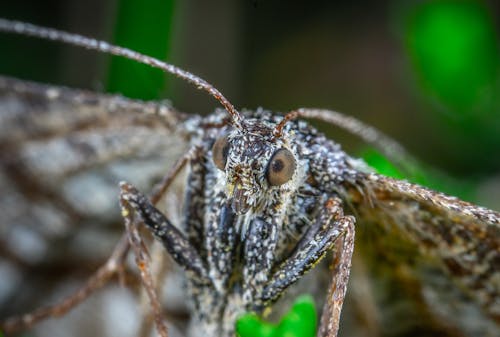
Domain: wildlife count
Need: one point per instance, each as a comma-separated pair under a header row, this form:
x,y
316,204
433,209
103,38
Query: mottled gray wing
x,y
63,152
440,238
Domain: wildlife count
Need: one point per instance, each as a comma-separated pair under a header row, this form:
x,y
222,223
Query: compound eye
x,y
281,167
220,151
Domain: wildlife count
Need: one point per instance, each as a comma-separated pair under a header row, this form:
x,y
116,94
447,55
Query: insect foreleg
x,y
143,262
329,225
181,250
330,317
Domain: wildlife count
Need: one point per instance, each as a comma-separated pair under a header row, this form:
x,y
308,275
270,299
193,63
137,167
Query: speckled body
x,y
241,259
443,253
244,241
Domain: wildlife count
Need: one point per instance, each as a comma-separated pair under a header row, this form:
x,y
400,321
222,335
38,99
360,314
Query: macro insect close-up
x,y
124,214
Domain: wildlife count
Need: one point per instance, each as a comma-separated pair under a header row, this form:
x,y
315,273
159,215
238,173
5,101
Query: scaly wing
x,y
67,149
62,155
430,229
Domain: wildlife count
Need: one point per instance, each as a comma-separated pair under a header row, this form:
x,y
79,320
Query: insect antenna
x,y
370,135
28,29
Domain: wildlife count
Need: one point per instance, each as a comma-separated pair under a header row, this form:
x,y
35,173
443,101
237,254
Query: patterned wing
x,y
62,154
73,146
440,238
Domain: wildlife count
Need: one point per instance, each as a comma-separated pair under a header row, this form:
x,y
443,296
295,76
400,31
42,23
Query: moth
x,y
267,197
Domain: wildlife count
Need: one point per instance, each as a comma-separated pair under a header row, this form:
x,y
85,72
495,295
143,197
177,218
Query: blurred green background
x,y
424,72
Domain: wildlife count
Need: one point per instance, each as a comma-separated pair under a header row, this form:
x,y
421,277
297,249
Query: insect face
x,y
256,166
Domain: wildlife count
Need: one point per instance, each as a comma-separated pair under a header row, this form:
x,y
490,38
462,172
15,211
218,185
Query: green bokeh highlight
x,y
419,174
144,26
453,48
381,164
300,321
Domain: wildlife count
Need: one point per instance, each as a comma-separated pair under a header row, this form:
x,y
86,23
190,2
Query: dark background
x,y
357,57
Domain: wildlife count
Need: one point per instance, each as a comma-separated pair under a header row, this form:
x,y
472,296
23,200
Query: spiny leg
x,y
136,202
131,223
181,250
330,318
329,225
143,261
153,269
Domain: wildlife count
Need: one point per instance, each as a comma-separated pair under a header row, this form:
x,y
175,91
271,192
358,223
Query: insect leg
x,y
329,225
181,250
330,318
143,262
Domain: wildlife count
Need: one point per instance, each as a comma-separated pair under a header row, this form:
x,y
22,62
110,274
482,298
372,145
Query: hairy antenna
x,y
389,147
102,46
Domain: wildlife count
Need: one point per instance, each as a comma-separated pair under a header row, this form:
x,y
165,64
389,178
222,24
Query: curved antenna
x,y
102,46
386,145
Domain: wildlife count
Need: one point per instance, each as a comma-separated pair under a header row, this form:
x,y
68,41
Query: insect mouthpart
x,y
239,201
